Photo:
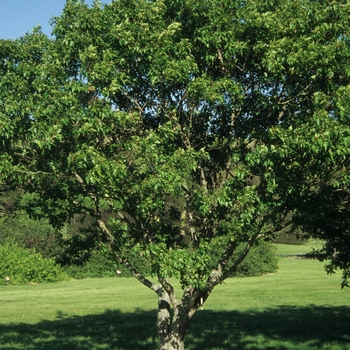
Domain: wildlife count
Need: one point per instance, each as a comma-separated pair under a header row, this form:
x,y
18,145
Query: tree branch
x,y
169,289
146,282
216,275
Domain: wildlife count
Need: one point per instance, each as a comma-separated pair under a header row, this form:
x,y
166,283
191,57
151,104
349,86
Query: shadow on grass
x,y
284,327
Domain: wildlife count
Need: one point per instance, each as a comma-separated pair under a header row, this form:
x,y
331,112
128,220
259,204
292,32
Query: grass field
x,y
285,249
298,307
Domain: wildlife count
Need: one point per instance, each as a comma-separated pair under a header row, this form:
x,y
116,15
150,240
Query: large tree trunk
x,y
172,330
173,342
163,317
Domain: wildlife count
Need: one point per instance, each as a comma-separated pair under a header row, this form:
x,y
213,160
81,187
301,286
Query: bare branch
x,y
239,259
184,187
203,180
216,275
105,230
33,172
221,59
146,282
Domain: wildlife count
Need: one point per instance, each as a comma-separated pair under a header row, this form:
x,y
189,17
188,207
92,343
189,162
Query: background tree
x,y
179,128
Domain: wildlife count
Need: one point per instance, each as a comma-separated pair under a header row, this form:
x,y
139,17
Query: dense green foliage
x,y
22,266
19,229
168,125
260,260
98,266
28,233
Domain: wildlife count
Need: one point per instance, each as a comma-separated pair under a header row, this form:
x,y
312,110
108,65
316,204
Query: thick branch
x,y
203,180
216,275
169,289
146,282
239,259
105,230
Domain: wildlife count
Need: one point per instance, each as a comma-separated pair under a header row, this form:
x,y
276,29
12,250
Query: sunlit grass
x,y
34,303
302,248
298,307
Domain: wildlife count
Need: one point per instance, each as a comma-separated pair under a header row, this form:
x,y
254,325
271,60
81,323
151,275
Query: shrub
x,y
25,265
19,229
99,265
261,259
102,264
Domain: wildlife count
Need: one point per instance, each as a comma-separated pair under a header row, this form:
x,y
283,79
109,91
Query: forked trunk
x,y
171,330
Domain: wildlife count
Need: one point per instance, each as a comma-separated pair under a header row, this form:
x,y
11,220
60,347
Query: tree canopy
x,y
182,128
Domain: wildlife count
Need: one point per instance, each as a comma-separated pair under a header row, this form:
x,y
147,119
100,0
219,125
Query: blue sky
x,y
20,16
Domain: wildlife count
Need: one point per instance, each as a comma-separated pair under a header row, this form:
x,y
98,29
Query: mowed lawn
x,y
298,307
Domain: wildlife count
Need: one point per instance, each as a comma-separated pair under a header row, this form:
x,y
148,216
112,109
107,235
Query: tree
x,y
179,128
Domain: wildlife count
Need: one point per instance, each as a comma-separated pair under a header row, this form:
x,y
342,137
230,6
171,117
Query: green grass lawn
x,y
298,307
306,247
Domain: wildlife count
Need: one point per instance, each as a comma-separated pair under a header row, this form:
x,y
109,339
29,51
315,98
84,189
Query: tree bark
x,y
173,342
163,317
172,330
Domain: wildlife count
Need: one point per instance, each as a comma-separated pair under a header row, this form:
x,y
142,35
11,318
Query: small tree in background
x,y
174,124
